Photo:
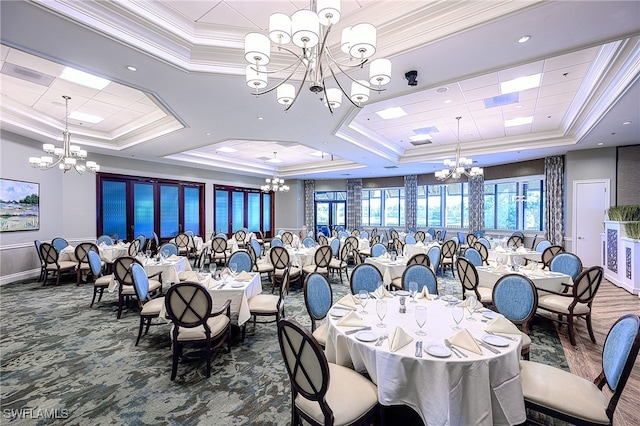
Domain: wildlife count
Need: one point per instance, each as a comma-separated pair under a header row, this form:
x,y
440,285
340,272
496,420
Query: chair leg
x,y
95,292
208,355
588,319
142,321
572,337
120,304
176,357
78,274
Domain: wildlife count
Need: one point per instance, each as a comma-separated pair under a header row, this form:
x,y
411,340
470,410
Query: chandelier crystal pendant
x,y
66,158
458,167
308,30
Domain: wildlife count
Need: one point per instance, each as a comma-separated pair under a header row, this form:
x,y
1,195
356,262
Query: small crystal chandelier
x,y
68,157
275,183
458,167
308,31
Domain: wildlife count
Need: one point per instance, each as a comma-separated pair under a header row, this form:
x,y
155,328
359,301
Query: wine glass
x,y
148,253
421,318
212,269
457,312
233,267
448,293
471,306
364,298
381,310
413,289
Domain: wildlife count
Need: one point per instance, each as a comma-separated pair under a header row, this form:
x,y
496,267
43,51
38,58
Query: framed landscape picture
x,y
19,205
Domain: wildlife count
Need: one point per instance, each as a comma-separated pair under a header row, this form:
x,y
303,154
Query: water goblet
x,y
212,269
421,319
148,253
363,295
233,267
413,289
457,312
448,293
471,306
381,310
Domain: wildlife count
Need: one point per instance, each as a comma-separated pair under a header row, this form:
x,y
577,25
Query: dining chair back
x,y
315,383
201,262
104,239
471,239
100,282
149,307
461,237
281,260
365,277
518,234
190,233
308,242
322,240
515,241
443,235
318,297
59,243
356,233
134,248
549,253
364,235
335,247
242,259
419,259
375,239
168,249
479,234
434,257
240,235
545,387
182,241
81,252
410,239
277,242
542,246
468,276
423,275
43,269
398,246
321,259
485,242
53,264
447,256
431,232
420,236
474,256
393,234
484,252
287,238
378,250
219,250
566,263
257,248
189,307
143,242
343,234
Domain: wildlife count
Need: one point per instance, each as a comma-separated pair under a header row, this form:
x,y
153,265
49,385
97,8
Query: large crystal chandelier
x,y
458,167
66,158
308,31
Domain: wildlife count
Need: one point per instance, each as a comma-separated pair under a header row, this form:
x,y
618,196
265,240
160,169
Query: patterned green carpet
x,y
61,359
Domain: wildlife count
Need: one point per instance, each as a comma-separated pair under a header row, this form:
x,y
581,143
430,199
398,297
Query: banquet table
x,y
388,268
480,389
550,281
509,255
169,267
363,243
107,253
419,247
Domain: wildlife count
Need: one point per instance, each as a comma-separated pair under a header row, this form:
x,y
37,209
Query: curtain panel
x,y
554,210
476,203
410,201
354,203
309,206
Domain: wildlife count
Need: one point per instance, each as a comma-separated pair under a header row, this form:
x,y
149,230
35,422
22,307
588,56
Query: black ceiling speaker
x,y
412,77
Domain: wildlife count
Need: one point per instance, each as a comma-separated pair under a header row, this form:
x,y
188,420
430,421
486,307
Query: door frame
x,y
574,222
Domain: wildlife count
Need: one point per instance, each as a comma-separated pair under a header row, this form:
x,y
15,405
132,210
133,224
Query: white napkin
x,y
385,255
349,301
522,249
424,294
465,340
287,246
243,276
352,319
225,271
499,249
500,269
502,325
381,293
173,258
212,284
419,244
102,245
398,339
469,302
188,276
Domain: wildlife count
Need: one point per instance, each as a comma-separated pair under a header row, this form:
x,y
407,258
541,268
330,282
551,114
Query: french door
x,y
236,208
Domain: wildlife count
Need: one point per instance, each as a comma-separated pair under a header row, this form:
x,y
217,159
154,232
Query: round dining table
x,y
444,389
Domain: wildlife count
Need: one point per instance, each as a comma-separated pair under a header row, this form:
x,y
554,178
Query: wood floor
x,y
585,359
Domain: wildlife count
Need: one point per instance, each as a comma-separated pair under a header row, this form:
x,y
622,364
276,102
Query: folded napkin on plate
x,y
500,269
243,276
424,294
173,258
499,249
352,319
212,284
188,276
470,302
349,301
225,271
385,255
537,273
502,325
381,293
398,339
522,249
465,340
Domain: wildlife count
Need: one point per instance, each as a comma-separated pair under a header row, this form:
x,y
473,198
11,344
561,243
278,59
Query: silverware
x,y
455,350
381,339
419,349
501,335
357,329
488,347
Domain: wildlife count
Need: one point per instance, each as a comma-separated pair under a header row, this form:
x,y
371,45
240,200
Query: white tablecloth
x,y
387,268
411,249
107,253
239,296
480,390
169,268
508,255
551,281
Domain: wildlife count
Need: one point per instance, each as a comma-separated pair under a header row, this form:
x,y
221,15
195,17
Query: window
x,y
514,204
330,209
443,205
237,208
383,207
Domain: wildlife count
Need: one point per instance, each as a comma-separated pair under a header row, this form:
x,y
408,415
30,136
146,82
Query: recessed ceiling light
x,y
524,39
226,149
600,143
448,101
131,68
626,123
389,113
518,121
274,160
521,83
260,117
417,138
318,154
442,89
518,106
80,116
84,78
207,134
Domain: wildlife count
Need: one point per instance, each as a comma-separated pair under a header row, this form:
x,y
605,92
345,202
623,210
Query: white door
x,y
590,202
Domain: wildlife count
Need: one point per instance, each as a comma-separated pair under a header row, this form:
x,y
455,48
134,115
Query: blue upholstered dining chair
x,y
335,247
566,263
257,248
485,242
473,256
378,250
168,249
308,242
59,243
545,388
409,239
434,257
364,235
242,259
515,297
318,299
431,232
189,233
365,277
149,307
479,234
423,275
104,239
542,245
277,242
100,282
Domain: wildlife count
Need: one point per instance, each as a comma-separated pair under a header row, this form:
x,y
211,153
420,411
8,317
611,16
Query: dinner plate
x,y
402,293
338,312
489,314
495,340
237,285
366,336
438,351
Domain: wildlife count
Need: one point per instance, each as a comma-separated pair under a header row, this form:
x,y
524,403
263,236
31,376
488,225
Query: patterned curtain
x,y
476,203
354,203
309,198
410,201
554,211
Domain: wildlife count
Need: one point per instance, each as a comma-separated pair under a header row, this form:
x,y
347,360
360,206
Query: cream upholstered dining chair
x,y
323,393
134,247
53,264
448,256
515,241
341,263
280,259
260,265
190,308
321,261
468,276
150,306
219,250
322,240
43,266
420,236
318,298
240,235
184,244
287,238
566,396
515,297
81,252
100,281
269,305
576,303
122,274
